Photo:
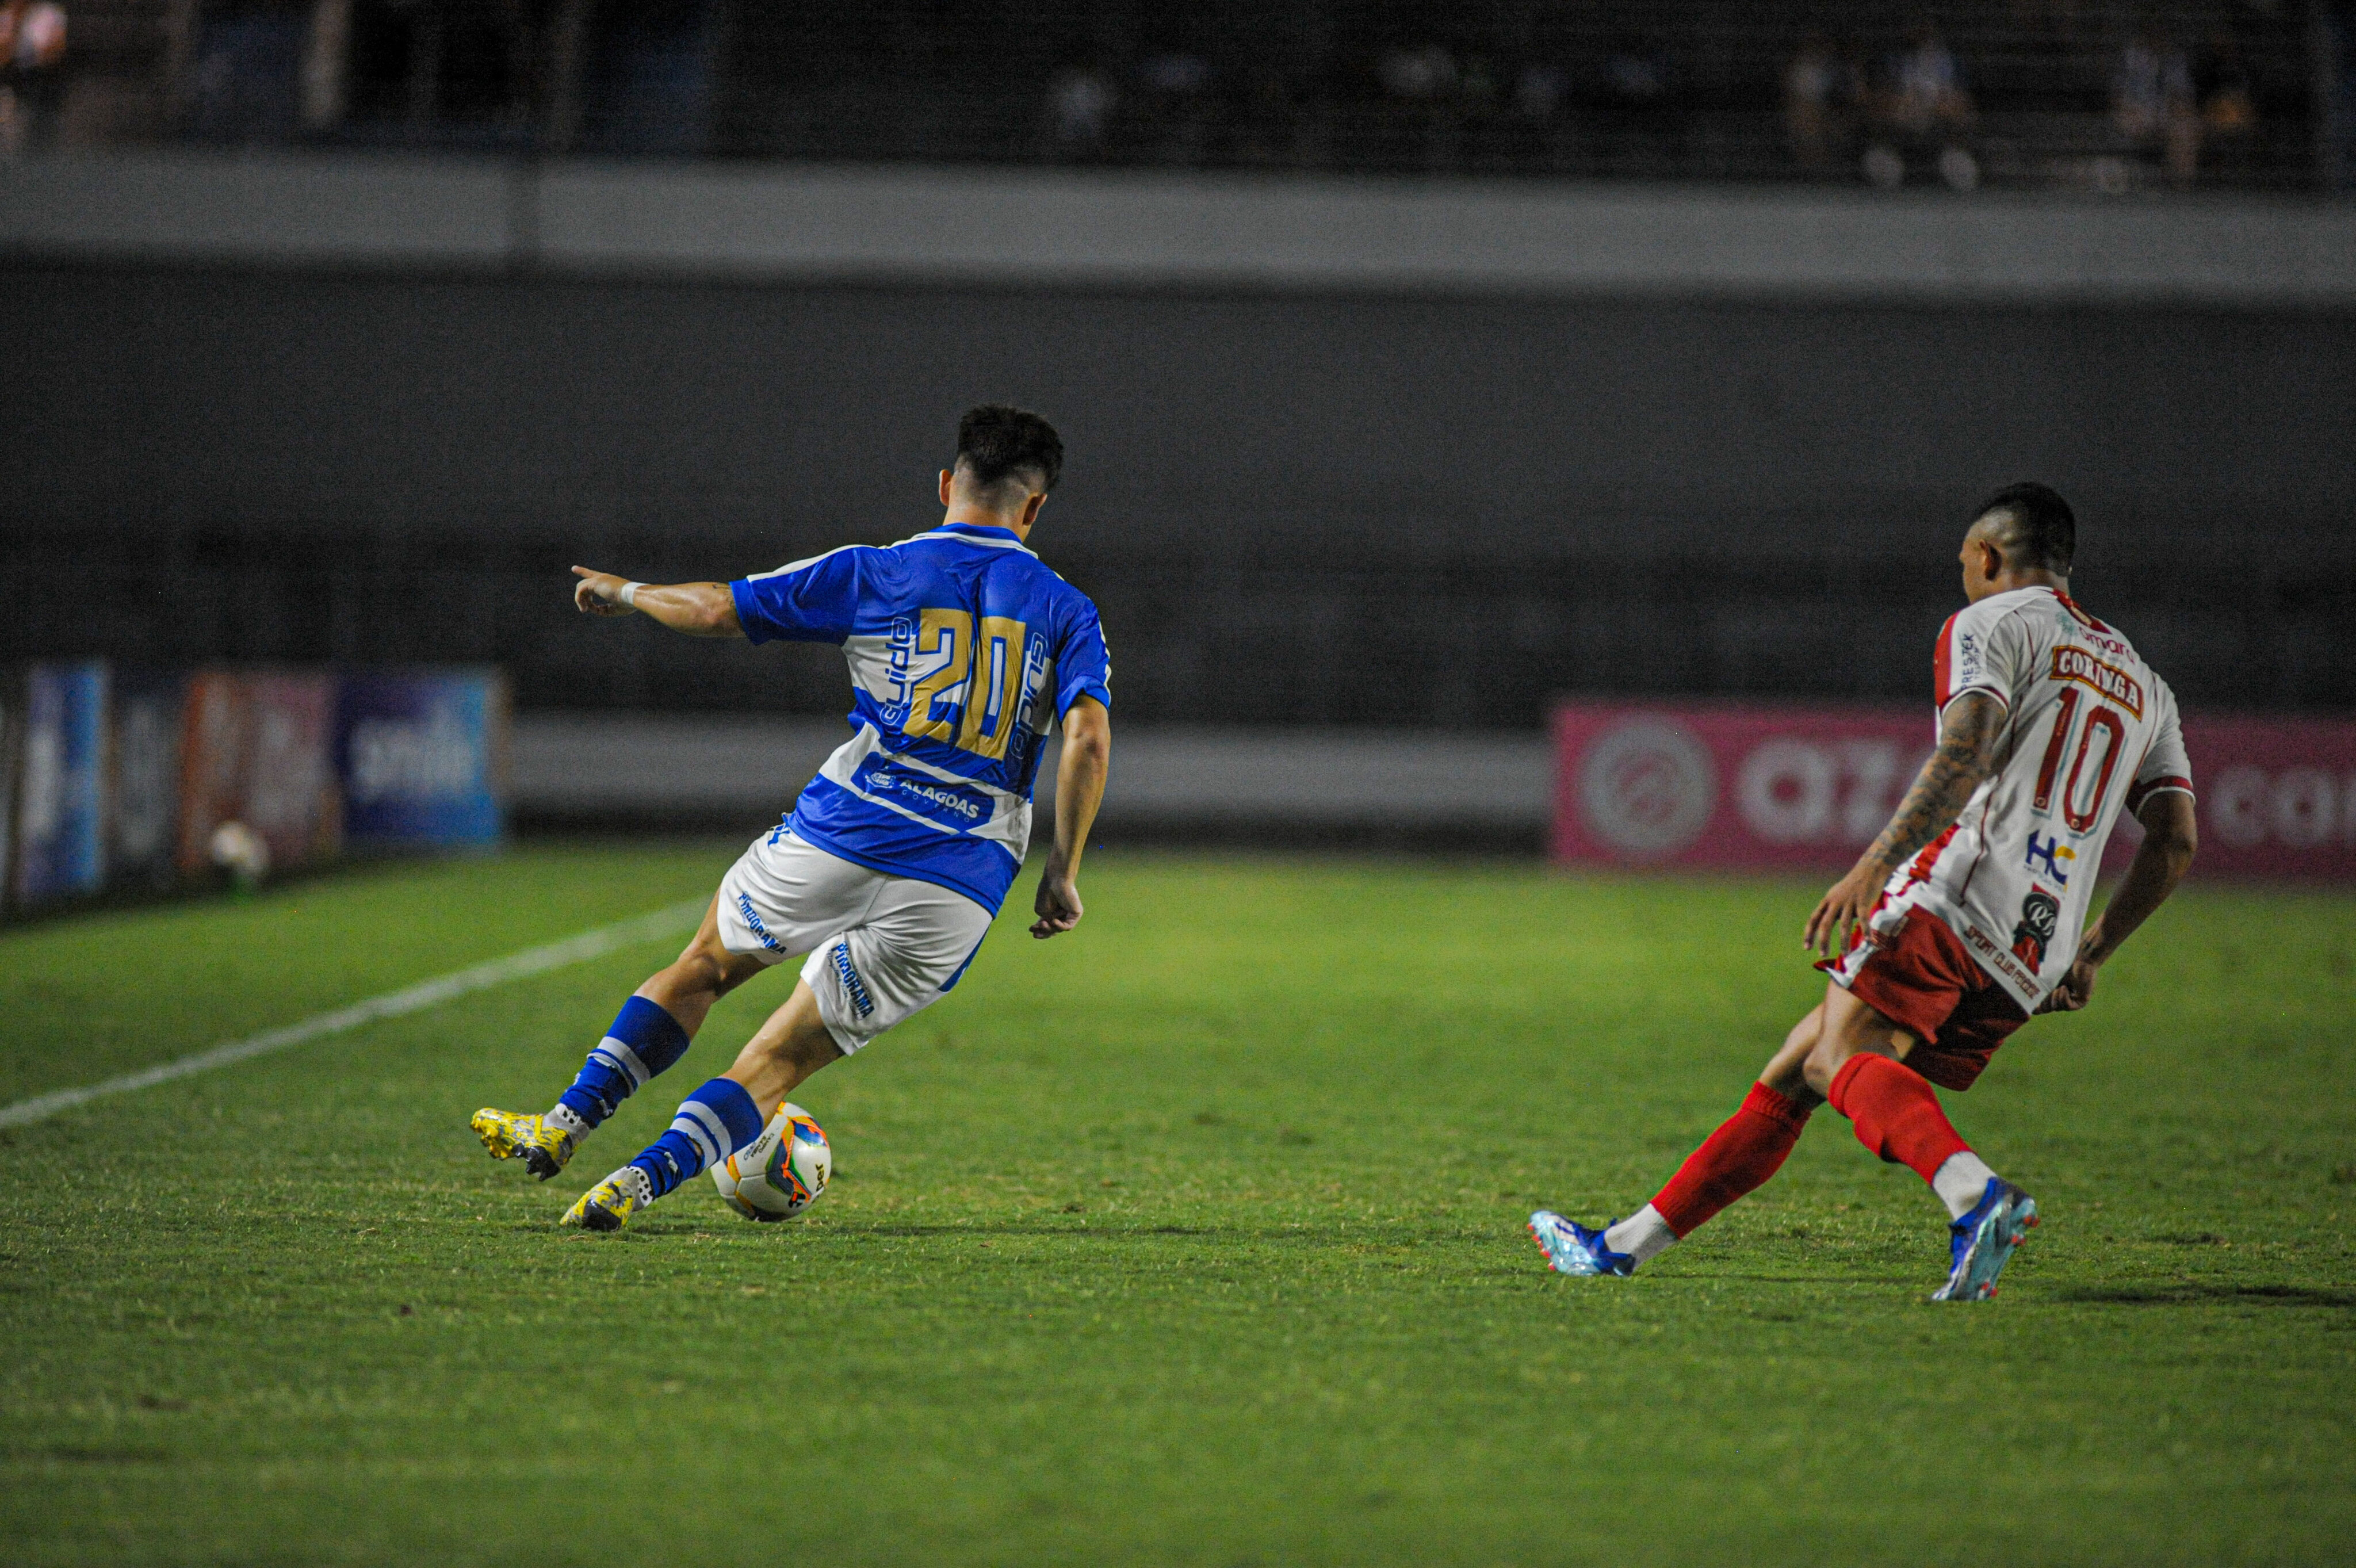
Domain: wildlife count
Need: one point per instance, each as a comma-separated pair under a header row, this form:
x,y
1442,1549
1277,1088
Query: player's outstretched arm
x,y
1079,789
2169,839
698,609
1967,756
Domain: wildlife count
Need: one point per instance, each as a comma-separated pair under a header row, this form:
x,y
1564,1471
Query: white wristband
x,y
629,594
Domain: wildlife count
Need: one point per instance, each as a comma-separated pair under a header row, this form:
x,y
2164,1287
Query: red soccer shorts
x,y
1922,978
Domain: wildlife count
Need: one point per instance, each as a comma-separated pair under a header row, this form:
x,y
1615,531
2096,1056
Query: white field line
x,y
392,1004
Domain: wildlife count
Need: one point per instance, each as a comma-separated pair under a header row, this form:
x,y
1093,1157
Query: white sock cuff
x,y
1962,1182
1644,1235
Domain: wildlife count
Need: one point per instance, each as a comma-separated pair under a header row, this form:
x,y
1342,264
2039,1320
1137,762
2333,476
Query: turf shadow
x,y
1806,1279
1068,1230
1284,1235
2189,1295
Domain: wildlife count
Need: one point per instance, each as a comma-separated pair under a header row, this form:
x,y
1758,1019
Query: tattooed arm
x,y
1967,756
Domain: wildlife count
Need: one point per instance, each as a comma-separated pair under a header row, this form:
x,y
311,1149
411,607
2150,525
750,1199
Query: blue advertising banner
x,y
62,796
422,755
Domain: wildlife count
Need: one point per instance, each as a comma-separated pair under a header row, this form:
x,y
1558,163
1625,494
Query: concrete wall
x,y
1468,791
784,222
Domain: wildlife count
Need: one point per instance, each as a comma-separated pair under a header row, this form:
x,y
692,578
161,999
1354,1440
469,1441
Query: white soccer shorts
x,y
882,948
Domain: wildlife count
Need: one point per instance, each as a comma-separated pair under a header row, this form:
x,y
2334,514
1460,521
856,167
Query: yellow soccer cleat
x,y
543,1149
609,1205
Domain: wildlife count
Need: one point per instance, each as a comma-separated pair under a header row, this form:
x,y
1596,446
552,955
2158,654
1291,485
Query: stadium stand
x,y
2076,94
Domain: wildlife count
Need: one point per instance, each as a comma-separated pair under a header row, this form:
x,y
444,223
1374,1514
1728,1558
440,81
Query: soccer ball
x,y
780,1173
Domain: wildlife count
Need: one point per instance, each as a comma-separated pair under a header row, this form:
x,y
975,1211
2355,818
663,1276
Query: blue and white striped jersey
x,y
964,649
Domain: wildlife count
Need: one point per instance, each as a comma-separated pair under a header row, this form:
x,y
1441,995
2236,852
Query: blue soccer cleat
x,y
1572,1249
1984,1241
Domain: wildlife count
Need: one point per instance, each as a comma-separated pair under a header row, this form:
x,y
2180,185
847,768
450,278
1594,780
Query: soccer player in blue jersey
x,y
964,651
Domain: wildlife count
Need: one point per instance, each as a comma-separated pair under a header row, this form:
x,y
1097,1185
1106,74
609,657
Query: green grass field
x,y
1195,1238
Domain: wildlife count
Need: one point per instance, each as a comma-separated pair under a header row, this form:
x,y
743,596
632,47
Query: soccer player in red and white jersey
x,y
1964,917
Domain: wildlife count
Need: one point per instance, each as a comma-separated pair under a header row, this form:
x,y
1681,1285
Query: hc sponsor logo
x,y
2048,854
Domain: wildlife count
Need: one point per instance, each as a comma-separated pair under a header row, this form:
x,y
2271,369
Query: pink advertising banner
x,y
1716,786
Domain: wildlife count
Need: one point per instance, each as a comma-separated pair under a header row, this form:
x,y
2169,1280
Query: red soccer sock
x,y
1747,1149
1896,1114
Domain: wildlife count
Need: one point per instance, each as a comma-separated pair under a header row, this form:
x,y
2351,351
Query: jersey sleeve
x,y
805,601
1983,649
2166,764
1083,664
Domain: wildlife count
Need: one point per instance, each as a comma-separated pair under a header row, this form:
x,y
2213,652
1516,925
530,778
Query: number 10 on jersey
x,y
2100,717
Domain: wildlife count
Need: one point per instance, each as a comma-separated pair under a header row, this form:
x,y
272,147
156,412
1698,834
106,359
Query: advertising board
x,y
290,783
422,757
12,735
60,849
122,778
1715,786
255,749
212,763
148,719
2277,796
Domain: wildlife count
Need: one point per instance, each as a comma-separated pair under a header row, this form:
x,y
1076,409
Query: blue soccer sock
x,y
643,1040
713,1123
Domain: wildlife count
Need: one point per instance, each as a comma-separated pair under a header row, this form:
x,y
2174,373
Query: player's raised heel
x,y
1984,1241
543,1149
1571,1248
609,1205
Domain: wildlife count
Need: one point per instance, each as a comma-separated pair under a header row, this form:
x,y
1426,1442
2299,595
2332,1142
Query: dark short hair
x,y
997,441
2043,530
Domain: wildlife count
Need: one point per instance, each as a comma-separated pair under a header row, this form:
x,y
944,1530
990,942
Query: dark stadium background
x,y
245,420
1520,449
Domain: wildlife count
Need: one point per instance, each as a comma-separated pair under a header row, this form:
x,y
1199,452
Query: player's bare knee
x,y
1824,1060
706,968
1785,1070
682,984
777,1060
812,1052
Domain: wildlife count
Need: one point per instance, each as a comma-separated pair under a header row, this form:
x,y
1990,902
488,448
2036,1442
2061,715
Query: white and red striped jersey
x,y
2089,729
